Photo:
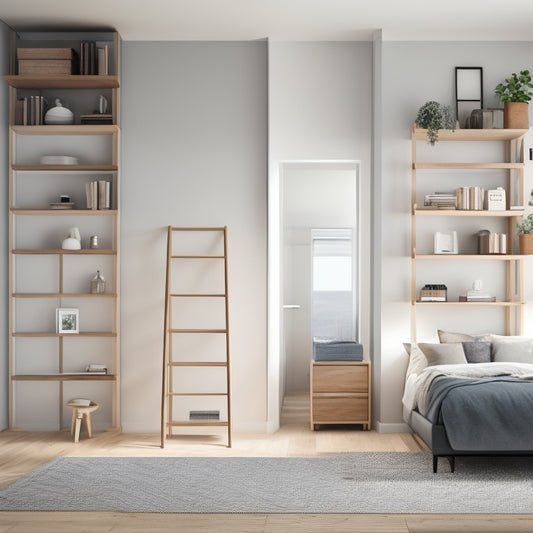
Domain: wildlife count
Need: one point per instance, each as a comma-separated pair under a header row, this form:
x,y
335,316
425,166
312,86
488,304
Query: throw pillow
x,y
443,354
417,359
477,352
513,352
449,336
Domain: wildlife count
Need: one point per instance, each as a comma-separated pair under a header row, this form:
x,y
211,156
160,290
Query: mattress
x,y
337,351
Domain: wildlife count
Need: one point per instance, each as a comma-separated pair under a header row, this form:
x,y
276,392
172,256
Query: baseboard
x,y
392,427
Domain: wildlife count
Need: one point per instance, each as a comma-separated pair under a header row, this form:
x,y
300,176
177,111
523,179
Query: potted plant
x,y
516,94
433,117
525,235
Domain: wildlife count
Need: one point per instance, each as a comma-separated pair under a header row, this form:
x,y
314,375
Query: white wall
x,y
194,143
4,120
413,73
320,96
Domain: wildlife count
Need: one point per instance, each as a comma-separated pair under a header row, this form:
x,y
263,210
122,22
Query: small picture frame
x,y
67,320
445,242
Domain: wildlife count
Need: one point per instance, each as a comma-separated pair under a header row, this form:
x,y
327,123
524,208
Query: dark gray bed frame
x,y
434,436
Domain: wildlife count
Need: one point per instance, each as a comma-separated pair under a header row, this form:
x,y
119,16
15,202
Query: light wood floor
x,y
22,452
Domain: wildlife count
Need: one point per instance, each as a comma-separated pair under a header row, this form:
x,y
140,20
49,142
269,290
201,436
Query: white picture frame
x,y
445,242
67,320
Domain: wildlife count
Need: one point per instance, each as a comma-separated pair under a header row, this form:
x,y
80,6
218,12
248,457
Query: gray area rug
x,y
339,483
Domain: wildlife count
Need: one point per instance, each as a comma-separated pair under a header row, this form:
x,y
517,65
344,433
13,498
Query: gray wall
x,y
194,148
4,119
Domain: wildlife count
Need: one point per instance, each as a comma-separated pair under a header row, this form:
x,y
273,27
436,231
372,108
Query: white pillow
x,y
449,336
444,354
514,351
417,359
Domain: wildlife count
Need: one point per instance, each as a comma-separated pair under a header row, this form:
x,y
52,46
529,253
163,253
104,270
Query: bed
x,y
471,395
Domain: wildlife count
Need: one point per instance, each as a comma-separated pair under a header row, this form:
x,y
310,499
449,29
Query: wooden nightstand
x,y
340,393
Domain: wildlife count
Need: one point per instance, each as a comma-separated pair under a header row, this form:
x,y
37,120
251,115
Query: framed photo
x,y
468,92
67,320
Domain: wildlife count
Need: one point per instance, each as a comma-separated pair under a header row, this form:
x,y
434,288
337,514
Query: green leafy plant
x,y
433,117
517,88
526,226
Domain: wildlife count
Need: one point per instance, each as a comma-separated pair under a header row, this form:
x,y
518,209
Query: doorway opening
x,y
313,268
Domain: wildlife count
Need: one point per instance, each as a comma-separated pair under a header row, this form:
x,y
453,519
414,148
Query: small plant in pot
x,y
515,93
525,235
433,117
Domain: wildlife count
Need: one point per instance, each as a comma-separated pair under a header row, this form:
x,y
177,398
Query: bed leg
x,y
451,460
435,463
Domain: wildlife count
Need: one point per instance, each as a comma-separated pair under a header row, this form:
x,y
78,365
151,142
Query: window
x,y
333,306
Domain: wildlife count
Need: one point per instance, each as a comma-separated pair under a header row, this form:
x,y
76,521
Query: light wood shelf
x,y
420,134
73,81
30,187
512,172
79,376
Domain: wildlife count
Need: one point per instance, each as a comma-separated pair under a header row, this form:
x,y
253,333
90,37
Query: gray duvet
x,y
494,413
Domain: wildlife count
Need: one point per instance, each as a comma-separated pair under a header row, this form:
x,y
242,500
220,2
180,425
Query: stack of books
x,y
29,111
434,293
96,118
94,368
481,297
98,194
94,58
440,200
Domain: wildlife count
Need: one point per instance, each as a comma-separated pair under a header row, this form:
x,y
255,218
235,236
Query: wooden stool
x,y
78,413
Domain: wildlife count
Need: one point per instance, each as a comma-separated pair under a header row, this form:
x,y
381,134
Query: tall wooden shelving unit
x,y
47,368
513,167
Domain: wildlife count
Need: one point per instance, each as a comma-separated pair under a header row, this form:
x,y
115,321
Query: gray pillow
x,y
477,352
449,336
443,354
513,351
417,359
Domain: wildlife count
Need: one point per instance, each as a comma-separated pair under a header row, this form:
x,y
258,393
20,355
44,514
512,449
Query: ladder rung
x,y
197,423
197,257
198,330
198,363
176,295
197,393
177,228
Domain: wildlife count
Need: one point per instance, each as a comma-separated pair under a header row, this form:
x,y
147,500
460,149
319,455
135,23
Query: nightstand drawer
x,y
340,378
340,408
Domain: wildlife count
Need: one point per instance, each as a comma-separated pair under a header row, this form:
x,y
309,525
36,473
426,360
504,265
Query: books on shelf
x,y
481,298
96,118
440,200
29,111
434,293
94,58
94,368
98,194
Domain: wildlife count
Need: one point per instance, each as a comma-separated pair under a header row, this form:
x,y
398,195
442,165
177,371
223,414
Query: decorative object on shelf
x,y
492,243
46,61
434,293
434,117
496,199
445,242
516,93
485,119
468,92
477,294
59,114
530,198
73,241
67,320
102,104
98,284
93,242
525,235
58,160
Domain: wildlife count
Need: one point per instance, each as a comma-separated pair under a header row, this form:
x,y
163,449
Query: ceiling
x,y
212,20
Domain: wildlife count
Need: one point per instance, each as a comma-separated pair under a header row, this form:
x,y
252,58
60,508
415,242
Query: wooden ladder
x,y
195,269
